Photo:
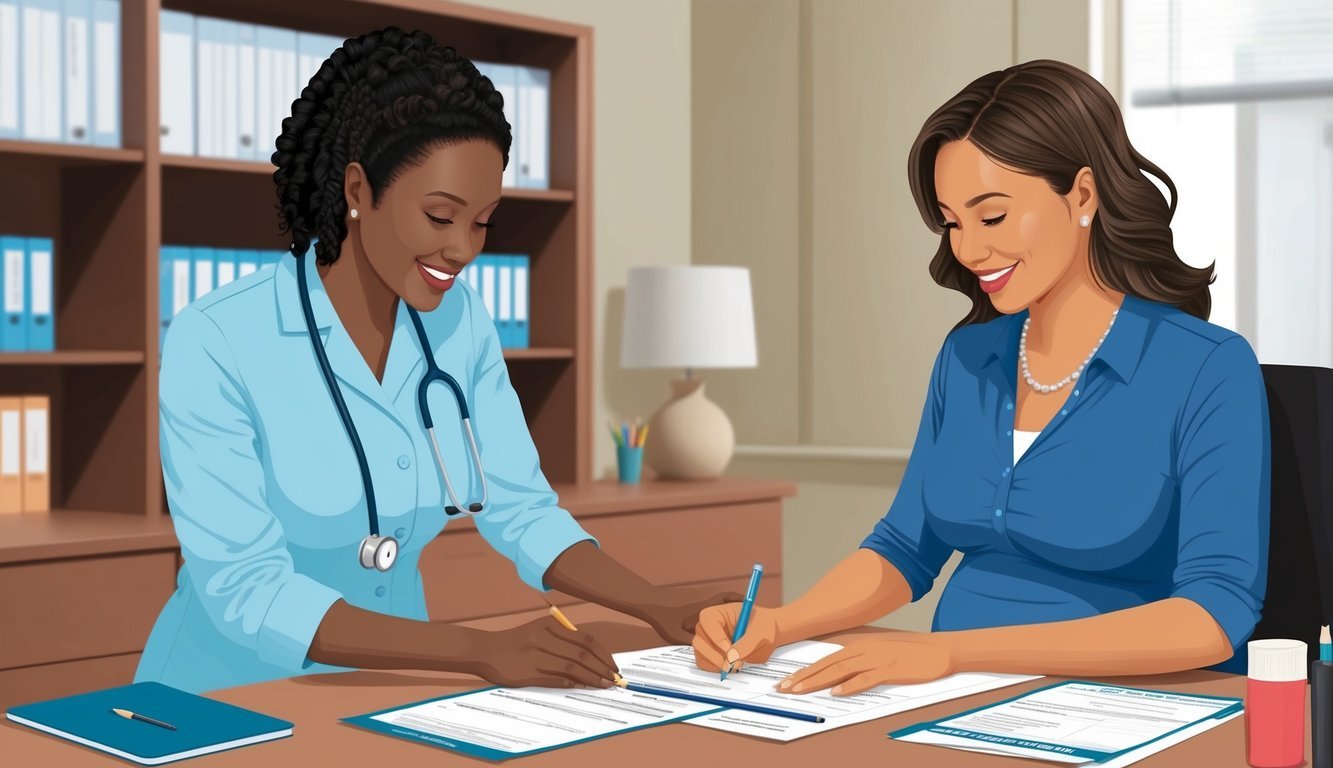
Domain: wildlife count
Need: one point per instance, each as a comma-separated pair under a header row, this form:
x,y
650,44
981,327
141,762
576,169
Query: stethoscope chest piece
x,y
379,552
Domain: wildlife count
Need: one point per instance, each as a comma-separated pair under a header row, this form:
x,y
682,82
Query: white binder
x,y
275,82
9,70
106,73
534,132
176,94
77,74
505,79
40,63
247,145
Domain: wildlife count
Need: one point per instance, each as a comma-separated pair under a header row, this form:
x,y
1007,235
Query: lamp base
x,y
689,438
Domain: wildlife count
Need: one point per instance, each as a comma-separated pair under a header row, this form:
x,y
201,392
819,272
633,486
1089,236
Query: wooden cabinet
x,y
81,590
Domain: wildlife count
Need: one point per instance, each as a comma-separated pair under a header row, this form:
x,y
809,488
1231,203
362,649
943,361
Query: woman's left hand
x,y
866,663
674,611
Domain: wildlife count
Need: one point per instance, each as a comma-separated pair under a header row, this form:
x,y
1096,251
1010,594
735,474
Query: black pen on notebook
x,y
125,713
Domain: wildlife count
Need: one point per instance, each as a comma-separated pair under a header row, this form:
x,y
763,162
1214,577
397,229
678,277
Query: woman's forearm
x,y
859,590
1163,636
586,572
354,637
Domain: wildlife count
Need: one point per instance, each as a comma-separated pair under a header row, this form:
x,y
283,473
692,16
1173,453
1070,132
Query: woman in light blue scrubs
x,y
392,158
1096,450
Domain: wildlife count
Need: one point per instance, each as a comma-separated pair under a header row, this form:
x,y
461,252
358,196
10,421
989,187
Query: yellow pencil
x,y
567,624
643,436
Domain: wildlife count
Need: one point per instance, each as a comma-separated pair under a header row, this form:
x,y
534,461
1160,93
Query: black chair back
x,y
1300,553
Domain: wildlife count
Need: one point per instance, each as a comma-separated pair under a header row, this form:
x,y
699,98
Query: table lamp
x,y
689,317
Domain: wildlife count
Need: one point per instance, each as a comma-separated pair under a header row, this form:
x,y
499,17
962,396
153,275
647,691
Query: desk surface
x,y
316,702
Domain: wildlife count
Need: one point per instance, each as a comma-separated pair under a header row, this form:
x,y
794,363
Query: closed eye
x,y
994,221
438,220
950,225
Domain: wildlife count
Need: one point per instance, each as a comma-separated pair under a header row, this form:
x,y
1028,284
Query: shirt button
x,y
404,462
1076,393
1064,413
400,533
1008,406
998,513
379,591
1005,473
1010,433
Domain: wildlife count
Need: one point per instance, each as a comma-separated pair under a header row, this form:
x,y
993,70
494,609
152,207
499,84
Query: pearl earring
x,y
352,213
1083,221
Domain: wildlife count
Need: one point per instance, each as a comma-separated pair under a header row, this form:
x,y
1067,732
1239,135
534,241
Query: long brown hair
x,y
1049,119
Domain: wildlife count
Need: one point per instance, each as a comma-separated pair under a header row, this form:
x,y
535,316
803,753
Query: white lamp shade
x,y
688,317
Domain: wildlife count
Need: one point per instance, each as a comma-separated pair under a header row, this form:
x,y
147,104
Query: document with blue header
x,y
1079,722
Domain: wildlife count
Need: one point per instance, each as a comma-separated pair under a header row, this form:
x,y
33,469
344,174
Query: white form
x,y
499,722
674,667
1079,722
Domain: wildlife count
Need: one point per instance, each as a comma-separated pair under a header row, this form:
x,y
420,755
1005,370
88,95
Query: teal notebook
x,y
202,725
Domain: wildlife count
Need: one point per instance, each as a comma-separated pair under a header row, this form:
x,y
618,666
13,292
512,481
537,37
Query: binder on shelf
x,y
521,336
247,261
225,266
202,259
10,77
105,63
216,86
504,301
77,74
275,84
176,79
246,148
487,269
36,453
505,79
41,295
40,64
313,50
533,134
14,333
11,454
176,291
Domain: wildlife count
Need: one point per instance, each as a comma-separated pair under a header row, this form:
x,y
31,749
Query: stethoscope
x,y
380,552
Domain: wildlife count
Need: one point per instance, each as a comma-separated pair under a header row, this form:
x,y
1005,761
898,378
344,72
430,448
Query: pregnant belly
x,y
997,589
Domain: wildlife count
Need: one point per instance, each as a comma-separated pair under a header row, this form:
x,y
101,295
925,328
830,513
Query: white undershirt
x,y
1022,441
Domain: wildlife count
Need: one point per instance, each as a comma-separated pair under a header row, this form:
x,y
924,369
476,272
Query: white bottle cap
x,y
1277,661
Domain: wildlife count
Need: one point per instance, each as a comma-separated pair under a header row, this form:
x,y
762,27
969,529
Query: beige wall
x,y
641,174
847,315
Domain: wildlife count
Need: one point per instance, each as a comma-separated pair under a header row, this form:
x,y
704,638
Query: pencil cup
x,y
630,462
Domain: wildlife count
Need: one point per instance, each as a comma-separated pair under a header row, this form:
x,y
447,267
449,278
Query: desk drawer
x,y
49,681
76,609
465,578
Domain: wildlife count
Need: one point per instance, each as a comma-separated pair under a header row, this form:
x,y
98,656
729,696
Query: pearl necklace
x,y
1046,388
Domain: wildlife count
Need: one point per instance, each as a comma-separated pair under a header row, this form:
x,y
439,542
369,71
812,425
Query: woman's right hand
x,y
543,653
713,650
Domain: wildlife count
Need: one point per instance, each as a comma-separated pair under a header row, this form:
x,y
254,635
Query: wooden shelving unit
x,y
109,211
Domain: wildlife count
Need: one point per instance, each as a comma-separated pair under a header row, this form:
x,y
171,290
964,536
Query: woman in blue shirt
x,y
1096,450
392,158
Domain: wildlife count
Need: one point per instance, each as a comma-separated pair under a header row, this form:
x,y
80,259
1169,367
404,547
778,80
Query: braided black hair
x,y
383,99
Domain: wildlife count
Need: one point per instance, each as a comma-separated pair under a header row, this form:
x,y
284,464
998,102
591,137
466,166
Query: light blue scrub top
x,y
264,489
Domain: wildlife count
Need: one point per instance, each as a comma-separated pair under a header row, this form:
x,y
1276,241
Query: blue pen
x,y
744,620
674,694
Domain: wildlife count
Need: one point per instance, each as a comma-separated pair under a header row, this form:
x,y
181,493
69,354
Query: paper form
x,y
674,667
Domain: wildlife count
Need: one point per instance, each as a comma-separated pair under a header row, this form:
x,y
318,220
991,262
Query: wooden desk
x,y
315,704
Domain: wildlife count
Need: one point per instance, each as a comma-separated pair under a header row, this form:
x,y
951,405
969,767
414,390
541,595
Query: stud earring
x,y
1083,221
353,214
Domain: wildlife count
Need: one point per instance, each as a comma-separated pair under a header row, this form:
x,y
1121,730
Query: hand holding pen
x,y
715,650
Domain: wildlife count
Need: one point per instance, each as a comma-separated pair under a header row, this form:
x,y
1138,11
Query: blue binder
x,y
522,300
41,295
203,725
14,320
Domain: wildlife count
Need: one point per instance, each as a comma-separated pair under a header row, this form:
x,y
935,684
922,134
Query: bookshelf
x,y
109,210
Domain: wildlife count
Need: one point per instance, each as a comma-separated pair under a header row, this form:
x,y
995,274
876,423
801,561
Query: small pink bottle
x,y
1275,703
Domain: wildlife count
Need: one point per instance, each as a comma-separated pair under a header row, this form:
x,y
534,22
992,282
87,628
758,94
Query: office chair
x,y
1300,551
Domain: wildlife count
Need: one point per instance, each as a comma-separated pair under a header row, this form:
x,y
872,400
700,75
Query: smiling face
x,y
431,221
1017,236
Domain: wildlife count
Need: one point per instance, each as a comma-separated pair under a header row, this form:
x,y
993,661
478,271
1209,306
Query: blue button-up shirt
x,y
1151,482
264,489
